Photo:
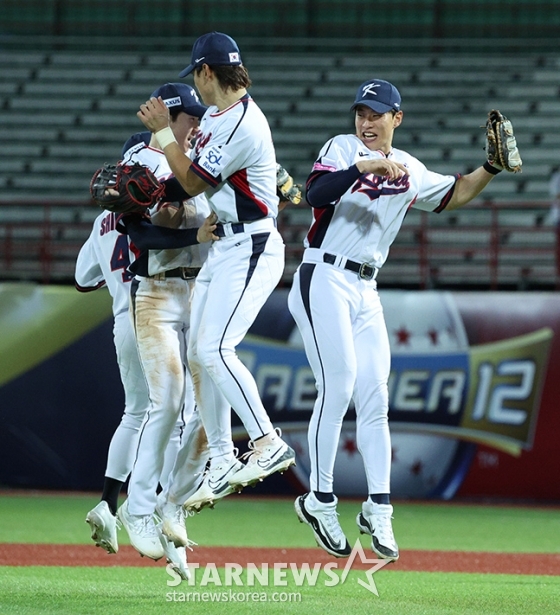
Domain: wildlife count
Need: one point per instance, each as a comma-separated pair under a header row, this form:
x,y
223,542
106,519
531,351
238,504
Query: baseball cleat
x,y
263,460
103,526
214,484
172,522
375,520
142,531
323,520
175,556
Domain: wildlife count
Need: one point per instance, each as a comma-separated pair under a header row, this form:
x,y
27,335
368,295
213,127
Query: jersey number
x,y
120,258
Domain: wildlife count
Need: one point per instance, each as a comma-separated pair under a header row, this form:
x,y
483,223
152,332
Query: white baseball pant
x,y
341,321
235,281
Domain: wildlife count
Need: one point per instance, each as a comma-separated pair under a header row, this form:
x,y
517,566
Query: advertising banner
x,y
473,391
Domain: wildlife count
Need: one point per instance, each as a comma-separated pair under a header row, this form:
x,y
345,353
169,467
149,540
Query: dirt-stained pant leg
x,y
190,462
161,315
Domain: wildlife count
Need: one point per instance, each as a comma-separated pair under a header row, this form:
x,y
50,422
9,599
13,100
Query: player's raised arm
x,y
155,116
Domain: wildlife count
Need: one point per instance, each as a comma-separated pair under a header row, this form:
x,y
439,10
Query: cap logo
x,y
234,56
199,59
173,102
368,89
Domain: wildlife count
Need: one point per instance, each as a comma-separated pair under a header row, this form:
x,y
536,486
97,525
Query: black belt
x,y
364,271
185,273
236,227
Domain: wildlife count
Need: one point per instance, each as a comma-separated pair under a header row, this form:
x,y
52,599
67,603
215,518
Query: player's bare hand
x,y
206,231
154,114
383,167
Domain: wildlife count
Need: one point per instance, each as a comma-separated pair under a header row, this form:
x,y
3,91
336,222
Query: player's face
x,y
203,83
185,128
375,130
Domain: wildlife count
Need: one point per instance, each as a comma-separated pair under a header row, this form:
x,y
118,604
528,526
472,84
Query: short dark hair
x,y
174,113
231,77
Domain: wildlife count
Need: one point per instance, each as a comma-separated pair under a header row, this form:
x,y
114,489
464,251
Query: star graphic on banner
x,y
403,335
416,468
350,446
357,549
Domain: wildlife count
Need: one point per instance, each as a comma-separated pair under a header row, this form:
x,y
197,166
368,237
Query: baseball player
x,y
103,260
165,269
360,189
234,164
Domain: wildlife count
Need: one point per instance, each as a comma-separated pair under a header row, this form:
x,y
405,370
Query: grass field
x,y
246,521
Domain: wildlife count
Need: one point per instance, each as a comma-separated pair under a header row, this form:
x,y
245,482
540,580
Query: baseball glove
x,y
286,188
501,146
125,188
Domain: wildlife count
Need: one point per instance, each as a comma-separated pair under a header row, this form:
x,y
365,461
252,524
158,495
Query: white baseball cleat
x,y
172,522
175,556
375,520
103,526
142,531
323,520
266,456
214,484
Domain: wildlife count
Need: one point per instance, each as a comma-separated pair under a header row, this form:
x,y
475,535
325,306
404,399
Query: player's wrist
x,y
487,166
165,137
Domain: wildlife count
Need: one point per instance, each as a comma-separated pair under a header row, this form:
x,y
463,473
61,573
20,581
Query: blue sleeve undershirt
x,y
325,187
146,236
174,191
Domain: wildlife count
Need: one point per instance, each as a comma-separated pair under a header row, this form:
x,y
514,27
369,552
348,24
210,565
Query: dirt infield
x,y
424,561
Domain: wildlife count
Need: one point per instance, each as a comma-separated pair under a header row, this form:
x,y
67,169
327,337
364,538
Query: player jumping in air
x,y
360,189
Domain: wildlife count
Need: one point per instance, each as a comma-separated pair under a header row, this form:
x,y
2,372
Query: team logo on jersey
x,y
201,143
375,186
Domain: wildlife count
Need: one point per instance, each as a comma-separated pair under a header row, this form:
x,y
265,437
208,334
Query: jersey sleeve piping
x,y
88,289
445,201
209,179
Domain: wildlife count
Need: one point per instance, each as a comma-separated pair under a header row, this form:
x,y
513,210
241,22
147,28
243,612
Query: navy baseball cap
x,y
214,49
379,95
180,96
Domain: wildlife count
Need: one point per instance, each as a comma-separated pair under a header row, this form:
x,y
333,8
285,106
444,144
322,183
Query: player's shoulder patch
x,y
213,160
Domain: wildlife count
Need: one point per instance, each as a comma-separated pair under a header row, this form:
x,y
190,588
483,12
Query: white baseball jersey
x,y
192,214
366,219
235,155
104,259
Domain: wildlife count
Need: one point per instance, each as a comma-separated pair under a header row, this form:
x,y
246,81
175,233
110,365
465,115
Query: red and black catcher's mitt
x,y
125,188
